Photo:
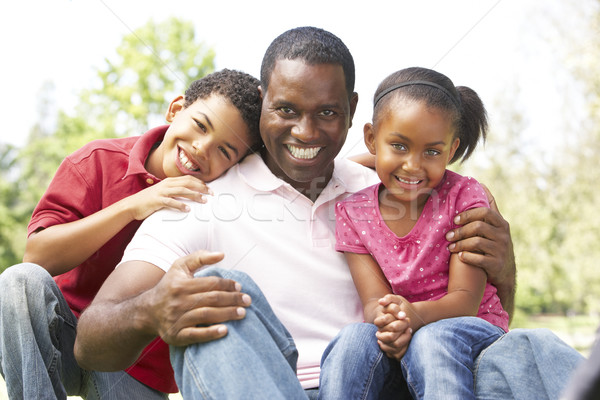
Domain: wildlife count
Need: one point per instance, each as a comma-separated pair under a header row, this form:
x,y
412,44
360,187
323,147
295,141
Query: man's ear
x,y
353,104
262,95
369,137
176,105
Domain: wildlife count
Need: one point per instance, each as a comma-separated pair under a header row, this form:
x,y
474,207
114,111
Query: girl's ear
x,y
176,105
369,137
453,149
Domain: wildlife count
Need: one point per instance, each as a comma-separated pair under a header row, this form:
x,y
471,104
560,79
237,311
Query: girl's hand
x,y
164,195
394,332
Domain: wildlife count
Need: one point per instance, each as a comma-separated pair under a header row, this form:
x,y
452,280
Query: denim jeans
x,y
37,334
354,367
440,357
525,364
257,359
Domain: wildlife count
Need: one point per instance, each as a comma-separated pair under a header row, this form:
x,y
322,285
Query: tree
x,y
151,66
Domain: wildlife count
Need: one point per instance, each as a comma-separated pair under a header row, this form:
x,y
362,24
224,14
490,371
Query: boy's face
x,y
204,139
306,114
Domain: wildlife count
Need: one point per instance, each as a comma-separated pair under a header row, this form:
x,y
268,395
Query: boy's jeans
x,y
37,334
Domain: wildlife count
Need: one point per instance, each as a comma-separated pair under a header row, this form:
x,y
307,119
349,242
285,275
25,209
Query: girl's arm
x,y
60,248
370,283
466,285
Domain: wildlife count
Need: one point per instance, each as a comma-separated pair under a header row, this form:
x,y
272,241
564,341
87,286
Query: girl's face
x,y
204,140
412,145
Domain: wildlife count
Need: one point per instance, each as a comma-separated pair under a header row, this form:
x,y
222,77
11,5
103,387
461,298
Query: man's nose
x,y
305,129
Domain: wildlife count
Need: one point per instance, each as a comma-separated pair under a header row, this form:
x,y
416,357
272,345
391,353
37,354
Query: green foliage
x,y
152,65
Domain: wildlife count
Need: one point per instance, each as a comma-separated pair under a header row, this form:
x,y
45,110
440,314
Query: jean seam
x,y
195,376
371,376
478,360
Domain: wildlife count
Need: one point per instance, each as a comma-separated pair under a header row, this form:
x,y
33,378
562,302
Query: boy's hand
x,y
394,332
164,195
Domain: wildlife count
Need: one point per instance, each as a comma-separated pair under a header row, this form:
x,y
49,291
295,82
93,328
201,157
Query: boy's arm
x,y
484,241
138,302
60,248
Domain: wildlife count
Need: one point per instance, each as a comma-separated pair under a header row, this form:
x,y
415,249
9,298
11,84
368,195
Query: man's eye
x,y
286,110
327,113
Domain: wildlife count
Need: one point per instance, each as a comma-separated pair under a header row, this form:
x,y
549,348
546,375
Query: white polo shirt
x,y
284,241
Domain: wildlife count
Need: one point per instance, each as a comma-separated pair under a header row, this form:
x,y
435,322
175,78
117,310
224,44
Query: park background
x,y
78,70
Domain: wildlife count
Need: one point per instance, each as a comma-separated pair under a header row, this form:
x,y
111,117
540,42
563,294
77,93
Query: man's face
x,y
306,114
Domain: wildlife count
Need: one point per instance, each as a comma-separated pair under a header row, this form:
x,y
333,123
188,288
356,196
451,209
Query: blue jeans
x,y
37,334
354,367
439,361
525,364
257,358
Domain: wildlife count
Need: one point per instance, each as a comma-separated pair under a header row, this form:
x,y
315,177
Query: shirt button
x,y
150,181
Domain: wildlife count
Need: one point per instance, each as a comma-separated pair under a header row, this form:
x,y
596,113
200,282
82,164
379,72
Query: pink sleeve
x,y
346,236
470,194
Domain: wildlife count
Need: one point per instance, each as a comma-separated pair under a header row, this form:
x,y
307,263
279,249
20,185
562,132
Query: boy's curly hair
x,y
239,88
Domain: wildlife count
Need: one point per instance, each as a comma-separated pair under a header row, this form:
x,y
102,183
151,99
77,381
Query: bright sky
x,y
489,45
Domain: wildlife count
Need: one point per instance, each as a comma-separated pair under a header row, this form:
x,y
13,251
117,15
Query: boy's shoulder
x,y
100,147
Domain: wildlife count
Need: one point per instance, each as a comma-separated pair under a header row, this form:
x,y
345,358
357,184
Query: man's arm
x,y
484,241
139,301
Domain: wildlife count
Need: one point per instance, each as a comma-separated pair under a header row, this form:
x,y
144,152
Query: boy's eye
x,y
200,125
225,152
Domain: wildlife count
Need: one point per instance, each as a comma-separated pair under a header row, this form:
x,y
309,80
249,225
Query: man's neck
x,y
311,188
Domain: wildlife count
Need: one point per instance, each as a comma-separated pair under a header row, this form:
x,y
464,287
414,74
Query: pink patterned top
x,y
417,264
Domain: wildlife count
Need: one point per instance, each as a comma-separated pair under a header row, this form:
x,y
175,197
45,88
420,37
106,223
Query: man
x,y
273,218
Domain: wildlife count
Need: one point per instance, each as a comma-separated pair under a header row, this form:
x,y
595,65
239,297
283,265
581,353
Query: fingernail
x,y
246,299
450,235
401,314
410,330
241,311
222,329
457,219
451,246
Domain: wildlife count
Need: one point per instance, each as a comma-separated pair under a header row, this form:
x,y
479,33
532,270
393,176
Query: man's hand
x,y
484,241
190,310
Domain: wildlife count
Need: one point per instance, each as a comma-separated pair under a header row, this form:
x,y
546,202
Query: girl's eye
x,y
398,146
225,152
432,152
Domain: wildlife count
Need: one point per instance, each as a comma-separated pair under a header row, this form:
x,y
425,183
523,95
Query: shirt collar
x,y
141,149
347,176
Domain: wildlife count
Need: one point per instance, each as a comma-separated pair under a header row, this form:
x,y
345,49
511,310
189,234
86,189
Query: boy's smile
x,y
204,140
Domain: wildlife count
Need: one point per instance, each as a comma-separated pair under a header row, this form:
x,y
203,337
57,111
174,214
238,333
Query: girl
x,y
392,234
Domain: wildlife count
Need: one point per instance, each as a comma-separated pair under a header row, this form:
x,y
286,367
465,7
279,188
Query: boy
x,y
93,206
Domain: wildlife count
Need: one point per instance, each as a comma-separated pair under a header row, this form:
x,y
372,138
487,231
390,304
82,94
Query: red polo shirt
x,y
94,177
